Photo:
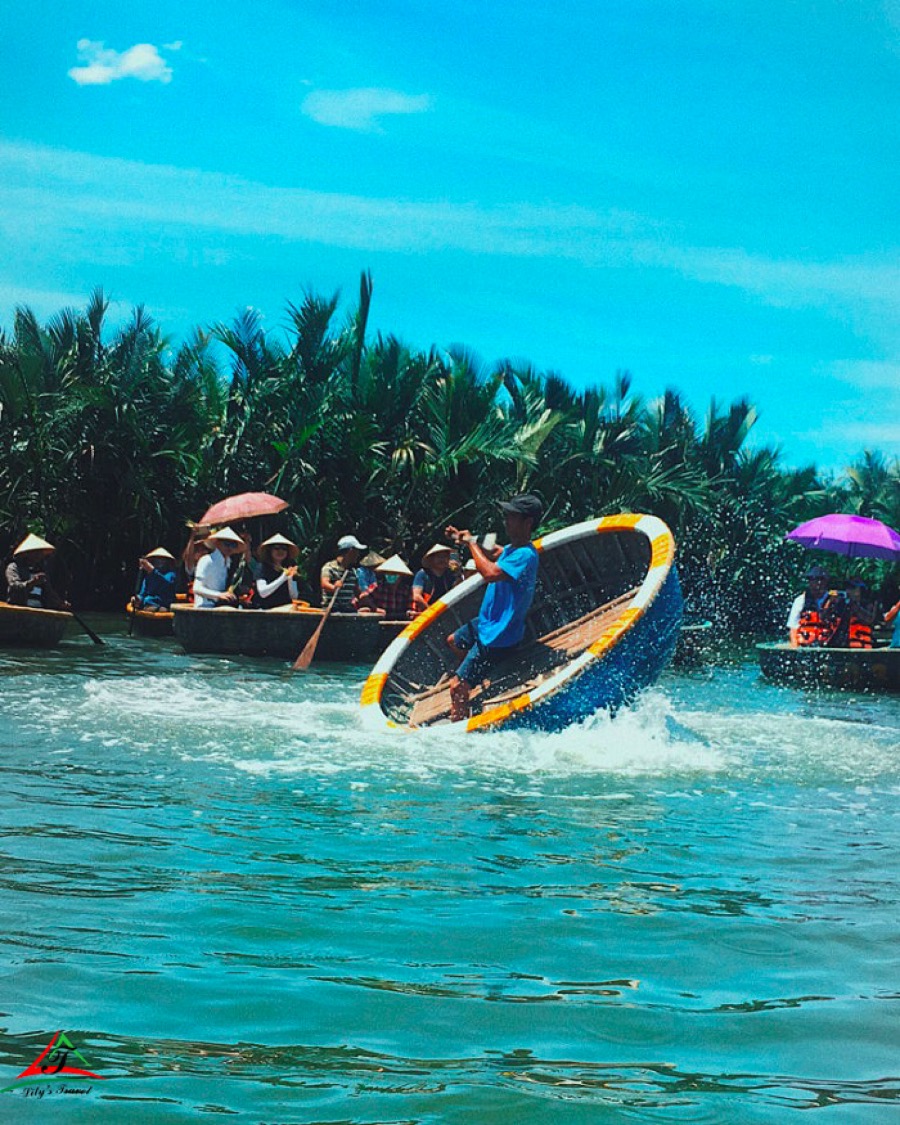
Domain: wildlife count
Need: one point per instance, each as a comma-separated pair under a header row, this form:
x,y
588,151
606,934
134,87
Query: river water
x,y
234,901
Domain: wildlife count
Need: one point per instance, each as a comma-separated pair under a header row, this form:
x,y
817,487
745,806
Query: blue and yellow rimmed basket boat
x,y
603,624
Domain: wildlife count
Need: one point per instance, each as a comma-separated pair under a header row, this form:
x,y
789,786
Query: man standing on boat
x,y
500,626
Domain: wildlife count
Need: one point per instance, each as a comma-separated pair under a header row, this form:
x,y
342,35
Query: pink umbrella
x,y
855,536
243,507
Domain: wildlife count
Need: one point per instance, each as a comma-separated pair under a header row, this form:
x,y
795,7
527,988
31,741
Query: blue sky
x,y
701,192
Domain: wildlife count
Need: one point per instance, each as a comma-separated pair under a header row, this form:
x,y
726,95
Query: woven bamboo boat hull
x,y
851,669
31,627
147,624
603,624
346,637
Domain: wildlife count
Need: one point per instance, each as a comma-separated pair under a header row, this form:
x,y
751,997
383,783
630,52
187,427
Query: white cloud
x,y
101,65
361,109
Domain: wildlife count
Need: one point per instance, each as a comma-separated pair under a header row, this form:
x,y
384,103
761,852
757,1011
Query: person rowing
x,y
27,582
339,575
500,626
158,578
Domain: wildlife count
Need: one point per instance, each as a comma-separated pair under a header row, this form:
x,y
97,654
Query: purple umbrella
x,y
855,536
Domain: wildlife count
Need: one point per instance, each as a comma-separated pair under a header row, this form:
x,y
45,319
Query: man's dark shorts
x,y
479,659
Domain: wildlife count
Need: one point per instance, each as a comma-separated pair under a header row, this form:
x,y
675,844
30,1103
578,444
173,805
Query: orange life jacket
x,y
860,633
812,630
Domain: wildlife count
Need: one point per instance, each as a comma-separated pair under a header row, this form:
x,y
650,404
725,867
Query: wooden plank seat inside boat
x,y
530,665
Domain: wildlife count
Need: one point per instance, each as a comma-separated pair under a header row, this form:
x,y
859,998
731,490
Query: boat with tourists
x,y
32,627
150,623
603,624
852,669
283,632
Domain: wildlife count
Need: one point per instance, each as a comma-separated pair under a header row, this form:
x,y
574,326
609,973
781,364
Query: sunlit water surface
x,y
235,901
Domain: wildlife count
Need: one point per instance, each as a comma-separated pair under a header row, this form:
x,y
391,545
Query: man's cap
x,y
437,549
160,553
279,541
225,535
817,572
33,543
525,504
394,565
347,541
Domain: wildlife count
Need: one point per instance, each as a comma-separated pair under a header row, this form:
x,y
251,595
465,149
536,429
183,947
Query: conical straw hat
x,y
279,541
437,549
33,543
394,565
225,535
159,553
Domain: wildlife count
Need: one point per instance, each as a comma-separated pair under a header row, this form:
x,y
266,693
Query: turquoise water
x,y
235,902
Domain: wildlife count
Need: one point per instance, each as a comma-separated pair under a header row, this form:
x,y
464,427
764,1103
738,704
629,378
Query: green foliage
x,y
113,440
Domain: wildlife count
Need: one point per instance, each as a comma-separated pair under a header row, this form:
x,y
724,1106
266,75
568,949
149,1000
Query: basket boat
x,y
32,627
851,669
150,624
603,624
346,637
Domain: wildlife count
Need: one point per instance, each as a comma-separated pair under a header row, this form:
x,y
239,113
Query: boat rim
x,y
662,554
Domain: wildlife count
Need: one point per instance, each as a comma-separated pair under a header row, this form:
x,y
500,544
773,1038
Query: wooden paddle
x,y
305,658
134,600
90,632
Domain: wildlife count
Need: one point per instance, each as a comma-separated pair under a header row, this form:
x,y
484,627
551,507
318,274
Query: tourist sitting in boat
x,y
390,596
340,575
195,548
805,621
243,568
27,582
158,578
500,626
435,578
276,580
211,589
851,616
892,615
365,571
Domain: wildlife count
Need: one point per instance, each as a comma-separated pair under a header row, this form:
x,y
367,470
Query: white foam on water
x,y
312,726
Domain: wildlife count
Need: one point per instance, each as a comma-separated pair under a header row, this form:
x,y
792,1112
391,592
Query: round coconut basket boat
x,y
32,627
151,624
847,669
603,624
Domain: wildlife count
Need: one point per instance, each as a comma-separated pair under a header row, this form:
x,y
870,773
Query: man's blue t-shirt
x,y
501,622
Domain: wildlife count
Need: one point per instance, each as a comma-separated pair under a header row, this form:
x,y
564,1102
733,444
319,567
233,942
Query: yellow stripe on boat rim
x,y
627,519
612,633
661,550
415,627
372,689
498,714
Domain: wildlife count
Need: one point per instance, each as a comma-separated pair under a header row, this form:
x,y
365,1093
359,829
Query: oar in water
x,y
134,600
305,658
90,632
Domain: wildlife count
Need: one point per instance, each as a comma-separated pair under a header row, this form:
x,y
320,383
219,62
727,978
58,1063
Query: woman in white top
x,y
211,576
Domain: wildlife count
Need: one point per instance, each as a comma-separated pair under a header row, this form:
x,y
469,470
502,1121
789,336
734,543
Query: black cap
x,y
526,504
817,572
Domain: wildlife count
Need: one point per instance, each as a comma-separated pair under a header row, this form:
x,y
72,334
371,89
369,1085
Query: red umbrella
x,y
243,507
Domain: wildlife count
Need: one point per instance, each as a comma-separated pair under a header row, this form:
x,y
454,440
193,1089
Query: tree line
x,y
114,437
